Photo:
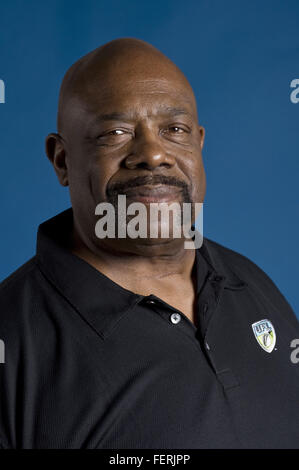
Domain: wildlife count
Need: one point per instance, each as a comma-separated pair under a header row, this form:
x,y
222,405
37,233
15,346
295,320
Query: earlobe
x,y
56,153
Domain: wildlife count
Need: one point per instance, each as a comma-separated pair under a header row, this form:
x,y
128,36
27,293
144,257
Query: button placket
x,y
205,308
171,315
208,300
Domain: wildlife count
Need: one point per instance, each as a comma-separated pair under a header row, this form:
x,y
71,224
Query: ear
x,y
202,134
56,153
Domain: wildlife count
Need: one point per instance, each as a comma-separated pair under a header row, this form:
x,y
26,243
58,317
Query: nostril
x,y
149,158
144,165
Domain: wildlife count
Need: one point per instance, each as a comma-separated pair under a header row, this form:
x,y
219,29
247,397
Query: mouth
x,y
153,193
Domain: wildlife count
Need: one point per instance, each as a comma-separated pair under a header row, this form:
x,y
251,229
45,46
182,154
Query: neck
x,y
142,261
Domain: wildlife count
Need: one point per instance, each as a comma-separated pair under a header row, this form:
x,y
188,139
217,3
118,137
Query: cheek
x,y
83,185
99,175
192,166
201,188
89,173
199,182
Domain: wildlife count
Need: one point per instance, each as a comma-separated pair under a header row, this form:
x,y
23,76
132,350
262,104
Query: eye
x,y
114,137
112,133
177,129
115,132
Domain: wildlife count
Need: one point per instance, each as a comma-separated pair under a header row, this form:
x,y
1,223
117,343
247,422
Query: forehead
x,y
143,98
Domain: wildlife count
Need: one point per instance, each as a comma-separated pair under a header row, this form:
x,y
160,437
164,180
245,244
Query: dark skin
x,y
157,135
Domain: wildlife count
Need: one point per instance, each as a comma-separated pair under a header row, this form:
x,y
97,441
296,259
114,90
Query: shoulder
x,y
257,280
19,296
228,258
16,284
244,267
19,325
18,276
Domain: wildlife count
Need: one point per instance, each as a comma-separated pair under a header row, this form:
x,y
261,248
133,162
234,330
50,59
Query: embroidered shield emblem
x,y
264,333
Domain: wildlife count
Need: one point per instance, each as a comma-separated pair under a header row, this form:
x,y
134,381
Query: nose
x,y
147,152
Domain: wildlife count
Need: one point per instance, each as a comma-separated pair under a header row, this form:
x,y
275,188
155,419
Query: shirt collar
x,y
97,299
222,268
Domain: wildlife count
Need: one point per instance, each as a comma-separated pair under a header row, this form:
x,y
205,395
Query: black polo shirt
x,y
89,364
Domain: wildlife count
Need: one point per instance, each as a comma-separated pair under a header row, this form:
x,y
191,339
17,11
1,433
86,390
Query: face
x,y
135,135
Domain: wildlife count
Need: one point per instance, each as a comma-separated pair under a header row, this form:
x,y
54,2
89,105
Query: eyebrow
x,y
167,111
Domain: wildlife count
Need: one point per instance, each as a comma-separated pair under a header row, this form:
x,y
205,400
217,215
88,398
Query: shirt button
x,y
175,318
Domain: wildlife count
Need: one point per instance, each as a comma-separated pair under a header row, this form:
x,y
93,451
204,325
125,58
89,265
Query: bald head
x,y
93,76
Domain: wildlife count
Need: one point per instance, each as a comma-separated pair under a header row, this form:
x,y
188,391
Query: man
x,y
124,342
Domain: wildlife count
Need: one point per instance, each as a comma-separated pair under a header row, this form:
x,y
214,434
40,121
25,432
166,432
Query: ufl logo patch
x,y
265,334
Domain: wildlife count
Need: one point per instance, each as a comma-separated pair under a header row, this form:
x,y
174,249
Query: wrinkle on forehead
x,y
127,63
131,89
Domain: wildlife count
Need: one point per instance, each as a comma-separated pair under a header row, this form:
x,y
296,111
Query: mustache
x,y
120,187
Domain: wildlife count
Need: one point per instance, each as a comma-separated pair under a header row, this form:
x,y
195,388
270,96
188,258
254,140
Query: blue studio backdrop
x,y
239,56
